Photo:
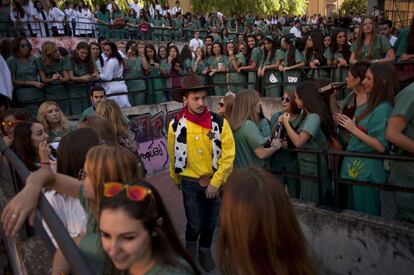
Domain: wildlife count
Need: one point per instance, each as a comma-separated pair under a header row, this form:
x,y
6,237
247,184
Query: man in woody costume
x,y
201,150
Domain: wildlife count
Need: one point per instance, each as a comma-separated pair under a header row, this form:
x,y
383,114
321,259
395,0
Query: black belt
x,y
190,179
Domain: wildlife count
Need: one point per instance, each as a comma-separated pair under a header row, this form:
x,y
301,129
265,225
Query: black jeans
x,y
201,213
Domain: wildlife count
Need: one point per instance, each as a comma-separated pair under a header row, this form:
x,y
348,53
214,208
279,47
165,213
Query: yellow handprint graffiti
x,y
355,168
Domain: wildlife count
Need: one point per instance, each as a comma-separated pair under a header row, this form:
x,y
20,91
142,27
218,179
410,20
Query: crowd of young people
x,y
147,75
107,182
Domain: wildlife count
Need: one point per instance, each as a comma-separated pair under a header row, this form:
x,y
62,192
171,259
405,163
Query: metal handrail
x,y
66,244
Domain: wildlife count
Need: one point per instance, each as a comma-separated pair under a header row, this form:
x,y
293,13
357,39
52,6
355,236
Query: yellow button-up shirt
x,y
200,154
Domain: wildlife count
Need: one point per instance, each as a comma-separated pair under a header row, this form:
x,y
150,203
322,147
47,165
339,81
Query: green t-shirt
x,y
404,106
134,68
214,62
400,45
312,125
57,135
298,58
102,16
200,66
159,269
87,113
79,69
257,55
23,71
247,139
49,71
5,20
379,49
117,14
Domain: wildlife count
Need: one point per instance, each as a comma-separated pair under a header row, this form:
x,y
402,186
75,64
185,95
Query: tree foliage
x,y
354,6
242,7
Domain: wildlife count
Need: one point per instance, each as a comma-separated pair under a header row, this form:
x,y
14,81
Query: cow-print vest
x,y
180,145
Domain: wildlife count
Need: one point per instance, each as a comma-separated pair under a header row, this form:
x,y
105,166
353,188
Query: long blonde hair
x,y
106,163
110,110
48,48
41,116
244,108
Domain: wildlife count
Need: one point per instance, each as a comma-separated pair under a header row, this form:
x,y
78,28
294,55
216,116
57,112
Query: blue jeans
x,y
201,213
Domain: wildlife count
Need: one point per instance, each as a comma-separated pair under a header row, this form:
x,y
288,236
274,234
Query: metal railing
x,y
149,89
44,211
127,31
337,181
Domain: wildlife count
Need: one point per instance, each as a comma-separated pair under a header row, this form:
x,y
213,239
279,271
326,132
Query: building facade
x,y
323,7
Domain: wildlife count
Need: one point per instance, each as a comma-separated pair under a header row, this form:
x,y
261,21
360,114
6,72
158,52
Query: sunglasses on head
x,y
133,192
221,104
9,123
285,99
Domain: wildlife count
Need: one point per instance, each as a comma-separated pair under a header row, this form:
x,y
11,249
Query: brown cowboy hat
x,y
190,83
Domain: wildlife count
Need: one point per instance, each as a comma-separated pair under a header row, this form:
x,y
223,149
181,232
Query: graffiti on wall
x,y
150,132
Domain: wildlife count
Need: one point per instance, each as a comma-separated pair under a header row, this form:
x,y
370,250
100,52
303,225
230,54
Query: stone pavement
x,y
173,201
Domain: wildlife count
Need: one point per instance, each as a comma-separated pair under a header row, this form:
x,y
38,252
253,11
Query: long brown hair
x,y
90,63
244,108
360,40
260,233
385,87
228,101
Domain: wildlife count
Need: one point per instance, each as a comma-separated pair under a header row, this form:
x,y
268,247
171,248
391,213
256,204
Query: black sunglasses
x,y
286,99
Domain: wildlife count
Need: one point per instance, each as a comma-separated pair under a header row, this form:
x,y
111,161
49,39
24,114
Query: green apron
x,y
178,34
237,78
293,75
219,79
155,88
157,31
118,33
308,163
403,171
55,91
365,199
77,89
30,97
200,68
285,161
134,71
252,76
270,89
102,29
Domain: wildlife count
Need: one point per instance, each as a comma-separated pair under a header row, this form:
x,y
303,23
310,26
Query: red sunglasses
x,y
133,192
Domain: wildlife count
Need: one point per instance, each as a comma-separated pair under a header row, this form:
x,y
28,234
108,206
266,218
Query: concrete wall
x,y
150,125
352,243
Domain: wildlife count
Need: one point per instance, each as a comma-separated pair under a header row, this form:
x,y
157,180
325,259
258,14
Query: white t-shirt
x,y
195,43
393,39
296,32
113,69
6,86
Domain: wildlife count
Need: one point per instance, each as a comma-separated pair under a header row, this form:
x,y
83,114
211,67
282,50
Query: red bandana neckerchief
x,y
203,120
